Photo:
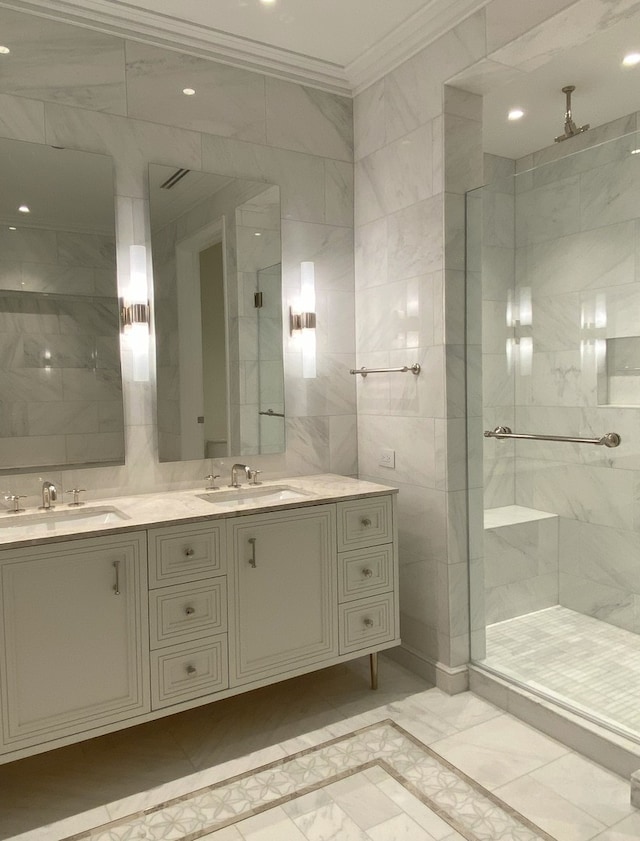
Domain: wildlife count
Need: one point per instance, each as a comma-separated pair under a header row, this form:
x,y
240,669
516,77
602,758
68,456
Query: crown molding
x,y
116,17
424,27
134,24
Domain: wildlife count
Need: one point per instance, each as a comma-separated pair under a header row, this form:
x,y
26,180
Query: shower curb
x,y
610,750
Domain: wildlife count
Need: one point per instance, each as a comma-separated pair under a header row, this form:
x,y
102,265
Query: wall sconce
x,y
134,313
593,343
305,320
519,346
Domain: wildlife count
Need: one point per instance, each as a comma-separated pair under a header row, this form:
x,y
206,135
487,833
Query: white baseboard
x,y
451,680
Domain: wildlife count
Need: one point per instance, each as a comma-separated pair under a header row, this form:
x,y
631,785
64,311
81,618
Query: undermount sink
x,y
42,522
253,495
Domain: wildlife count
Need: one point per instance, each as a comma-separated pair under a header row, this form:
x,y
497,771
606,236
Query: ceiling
x,y
338,45
345,45
604,91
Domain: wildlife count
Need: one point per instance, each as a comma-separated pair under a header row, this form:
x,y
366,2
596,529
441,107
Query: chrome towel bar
x,y
415,369
609,439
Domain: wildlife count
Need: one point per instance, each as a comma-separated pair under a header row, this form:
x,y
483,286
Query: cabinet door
x,y
75,631
283,583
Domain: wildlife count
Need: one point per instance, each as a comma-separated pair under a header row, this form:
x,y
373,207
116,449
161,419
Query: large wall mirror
x,y
60,378
218,314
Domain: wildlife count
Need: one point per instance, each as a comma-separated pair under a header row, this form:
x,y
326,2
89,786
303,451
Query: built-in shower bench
x,y
520,561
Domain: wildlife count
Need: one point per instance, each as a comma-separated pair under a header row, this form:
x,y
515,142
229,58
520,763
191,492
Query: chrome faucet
x,y
234,474
49,495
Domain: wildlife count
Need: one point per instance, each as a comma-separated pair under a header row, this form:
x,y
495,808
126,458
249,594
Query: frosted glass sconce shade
x,y
305,319
134,313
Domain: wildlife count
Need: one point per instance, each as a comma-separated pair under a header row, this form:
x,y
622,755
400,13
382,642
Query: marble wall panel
x,y
396,176
610,604
301,177
415,240
583,289
58,62
21,120
304,119
589,260
371,254
133,144
316,188
228,101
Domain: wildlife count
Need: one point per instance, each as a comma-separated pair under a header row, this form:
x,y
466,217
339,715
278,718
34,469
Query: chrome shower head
x,y
570,128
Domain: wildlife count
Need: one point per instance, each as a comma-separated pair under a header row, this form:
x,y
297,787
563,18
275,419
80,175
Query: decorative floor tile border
x,y
471,810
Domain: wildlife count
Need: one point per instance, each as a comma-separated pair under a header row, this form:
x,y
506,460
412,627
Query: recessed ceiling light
x,y
188,91
515,114
12,228
635,151
24,209
631,59
267,2
257,234
4,50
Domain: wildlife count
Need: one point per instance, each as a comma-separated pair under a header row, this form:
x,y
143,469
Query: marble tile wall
x,y
520,568
577,227
576,234
59,363
418,150
410,308
73,87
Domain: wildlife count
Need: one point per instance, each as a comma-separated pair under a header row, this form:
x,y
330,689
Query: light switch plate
x,y
387,458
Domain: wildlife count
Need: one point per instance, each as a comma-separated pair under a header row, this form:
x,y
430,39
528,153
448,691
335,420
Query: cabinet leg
x,y
373,666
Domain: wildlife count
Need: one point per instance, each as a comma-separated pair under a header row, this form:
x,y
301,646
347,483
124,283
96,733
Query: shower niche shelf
x,y
619,372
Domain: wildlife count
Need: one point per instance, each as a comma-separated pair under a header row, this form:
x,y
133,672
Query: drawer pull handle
x,y
116,586
366,522
189,610
189,552
252,559
367,572
191,670
368,623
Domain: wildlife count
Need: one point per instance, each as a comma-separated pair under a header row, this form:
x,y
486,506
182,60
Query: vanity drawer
x,y
365,572
179,554
187,612
189,671
364,522
366,622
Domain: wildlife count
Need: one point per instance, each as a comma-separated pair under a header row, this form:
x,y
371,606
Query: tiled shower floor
x,y
590,664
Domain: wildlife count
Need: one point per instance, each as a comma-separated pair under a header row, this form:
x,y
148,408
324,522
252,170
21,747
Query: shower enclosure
x,y
553,315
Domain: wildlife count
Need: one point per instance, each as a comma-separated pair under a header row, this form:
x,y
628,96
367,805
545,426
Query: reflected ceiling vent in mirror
x,y
570,128
172,180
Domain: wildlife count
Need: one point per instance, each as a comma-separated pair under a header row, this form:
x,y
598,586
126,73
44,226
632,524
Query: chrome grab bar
x,y
415,369
609,439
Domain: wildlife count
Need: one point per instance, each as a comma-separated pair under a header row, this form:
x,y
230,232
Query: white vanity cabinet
x,y
367,574
282,592
187,612
73,637
101,633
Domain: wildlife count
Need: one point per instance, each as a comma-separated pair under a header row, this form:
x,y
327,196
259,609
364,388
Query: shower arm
x,y
609,439
570,128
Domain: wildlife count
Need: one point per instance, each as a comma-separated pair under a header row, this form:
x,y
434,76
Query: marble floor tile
x,y
499,750
368,775
534,649
553,812
589,787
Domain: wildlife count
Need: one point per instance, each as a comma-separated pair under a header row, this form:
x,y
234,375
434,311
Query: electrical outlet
x,y
387,458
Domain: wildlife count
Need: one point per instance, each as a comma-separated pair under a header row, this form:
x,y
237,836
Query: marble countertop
x,y
130,513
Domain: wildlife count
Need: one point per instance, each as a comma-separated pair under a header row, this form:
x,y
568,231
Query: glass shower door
x,y
554,269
